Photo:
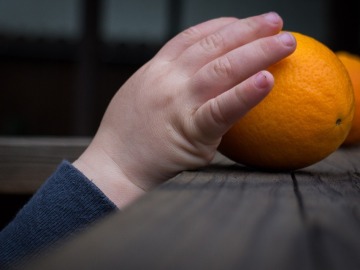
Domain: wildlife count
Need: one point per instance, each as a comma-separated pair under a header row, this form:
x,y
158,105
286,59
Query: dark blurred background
x,y
62,61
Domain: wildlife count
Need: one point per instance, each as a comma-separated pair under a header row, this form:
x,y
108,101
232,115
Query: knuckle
x,y
212,42
252,24
266,48
217,114
222,67
242,100
191,33
266,51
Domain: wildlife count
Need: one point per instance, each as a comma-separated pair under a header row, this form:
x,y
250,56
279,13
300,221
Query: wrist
x,y
99,168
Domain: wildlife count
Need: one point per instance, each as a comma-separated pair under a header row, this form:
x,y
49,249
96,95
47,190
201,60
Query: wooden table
x,y
227,216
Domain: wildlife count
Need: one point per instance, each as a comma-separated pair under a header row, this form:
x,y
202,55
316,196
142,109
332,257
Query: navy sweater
x,y
65,204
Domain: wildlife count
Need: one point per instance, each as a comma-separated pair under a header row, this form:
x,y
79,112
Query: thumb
x,y
217,115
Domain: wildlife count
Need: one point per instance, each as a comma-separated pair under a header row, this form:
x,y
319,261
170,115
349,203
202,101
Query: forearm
x,y
65,204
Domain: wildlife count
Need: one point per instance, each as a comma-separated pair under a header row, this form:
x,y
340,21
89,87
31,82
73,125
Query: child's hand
x,y
171,114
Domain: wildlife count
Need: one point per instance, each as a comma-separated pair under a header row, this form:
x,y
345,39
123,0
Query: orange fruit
x,y
305,117
352,64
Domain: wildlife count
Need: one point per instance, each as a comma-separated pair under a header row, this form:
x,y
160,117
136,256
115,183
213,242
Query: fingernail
x,y
287,39
272,17
261,80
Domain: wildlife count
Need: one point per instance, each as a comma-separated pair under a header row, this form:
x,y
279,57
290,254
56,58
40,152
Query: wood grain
x,y
209,220
229,217
331,204
224,216
25,163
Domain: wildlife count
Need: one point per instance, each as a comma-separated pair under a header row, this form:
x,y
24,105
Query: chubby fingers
x,y
203,42
177,45
239,64
227,88
218,114
227,38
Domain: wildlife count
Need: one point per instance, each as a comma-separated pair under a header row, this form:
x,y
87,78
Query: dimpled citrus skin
x,y
352,64
306,116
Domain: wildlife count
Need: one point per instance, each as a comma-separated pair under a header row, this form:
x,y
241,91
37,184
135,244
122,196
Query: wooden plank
x,y
329,197
225,217
331,207
25,163
230,217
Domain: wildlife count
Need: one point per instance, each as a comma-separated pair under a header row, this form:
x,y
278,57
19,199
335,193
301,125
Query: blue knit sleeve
x,y
65,204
